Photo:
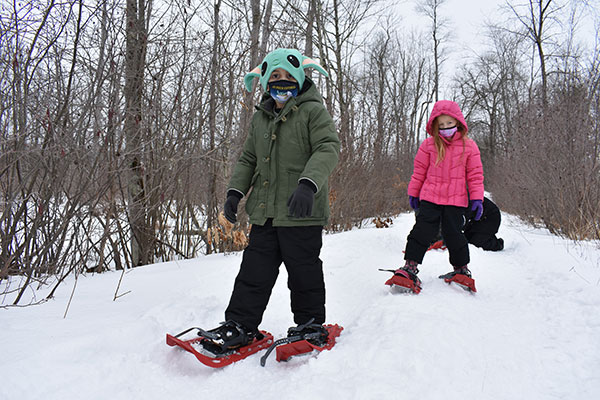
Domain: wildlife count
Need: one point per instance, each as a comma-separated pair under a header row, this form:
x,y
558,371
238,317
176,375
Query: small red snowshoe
x,y
198,347
304,340
463,280
402,282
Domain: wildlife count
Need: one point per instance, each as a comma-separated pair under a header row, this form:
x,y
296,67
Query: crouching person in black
x,y
482,233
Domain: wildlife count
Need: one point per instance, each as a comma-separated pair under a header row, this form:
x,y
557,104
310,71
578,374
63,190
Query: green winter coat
x,y
300,142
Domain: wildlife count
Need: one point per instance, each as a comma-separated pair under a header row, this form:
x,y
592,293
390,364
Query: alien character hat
x,y
289,59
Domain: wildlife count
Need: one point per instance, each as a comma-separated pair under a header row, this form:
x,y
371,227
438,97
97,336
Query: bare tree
x,y
431,9
536,18
253,62
490,88
539,152
142,235
98,176
338,24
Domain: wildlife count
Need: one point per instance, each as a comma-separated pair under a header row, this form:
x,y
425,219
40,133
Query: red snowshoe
x,y
403,281
303,340
439,245
461,277
224,345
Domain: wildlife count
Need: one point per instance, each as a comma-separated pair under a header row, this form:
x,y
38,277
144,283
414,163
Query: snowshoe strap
x,y
310,331
290,339
201,332
208,335
448,275
300,328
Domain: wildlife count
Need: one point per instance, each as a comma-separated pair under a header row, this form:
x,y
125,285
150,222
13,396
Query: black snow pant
x,y
485,241
429,217
298,248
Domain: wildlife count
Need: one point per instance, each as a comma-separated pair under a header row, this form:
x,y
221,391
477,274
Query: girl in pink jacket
x,y
447,174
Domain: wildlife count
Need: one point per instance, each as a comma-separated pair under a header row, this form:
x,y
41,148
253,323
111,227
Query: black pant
x,y
482,233
486,241
426,228
299,248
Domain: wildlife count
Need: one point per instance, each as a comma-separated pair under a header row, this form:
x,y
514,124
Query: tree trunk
x,y
134,78
211,217
248,101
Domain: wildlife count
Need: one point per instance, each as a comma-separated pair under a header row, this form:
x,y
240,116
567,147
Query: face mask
x,y
448,132
282,90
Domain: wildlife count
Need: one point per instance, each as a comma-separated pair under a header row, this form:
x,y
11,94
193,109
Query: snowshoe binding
x,y
405,279
303,340
224,345
462,277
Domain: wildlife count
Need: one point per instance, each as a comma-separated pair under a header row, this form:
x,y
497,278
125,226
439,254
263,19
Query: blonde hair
x,y
440,144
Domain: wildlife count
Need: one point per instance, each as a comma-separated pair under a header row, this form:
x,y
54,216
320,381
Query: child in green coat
x,y
290,151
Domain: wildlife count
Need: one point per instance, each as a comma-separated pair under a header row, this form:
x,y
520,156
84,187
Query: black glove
x,y
231,205
301,201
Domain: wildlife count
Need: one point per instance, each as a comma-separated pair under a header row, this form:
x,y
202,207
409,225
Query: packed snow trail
x,y
531,331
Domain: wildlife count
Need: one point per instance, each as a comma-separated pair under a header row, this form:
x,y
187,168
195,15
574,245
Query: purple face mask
x,y
448,132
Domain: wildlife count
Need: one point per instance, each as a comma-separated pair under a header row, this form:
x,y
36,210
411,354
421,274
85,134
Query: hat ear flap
x,y
255,73
310,63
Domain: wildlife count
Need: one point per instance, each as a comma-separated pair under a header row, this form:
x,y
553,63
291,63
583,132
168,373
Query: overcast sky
x,y
468,19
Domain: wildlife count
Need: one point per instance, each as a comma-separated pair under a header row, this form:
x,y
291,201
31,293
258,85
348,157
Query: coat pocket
x,y
254,194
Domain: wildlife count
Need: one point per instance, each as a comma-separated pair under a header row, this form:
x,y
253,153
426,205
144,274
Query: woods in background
x,y
120,121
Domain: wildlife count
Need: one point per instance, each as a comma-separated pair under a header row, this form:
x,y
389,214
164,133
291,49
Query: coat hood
x,y
446,107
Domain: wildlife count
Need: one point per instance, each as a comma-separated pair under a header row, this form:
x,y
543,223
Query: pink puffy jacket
x,y
459,174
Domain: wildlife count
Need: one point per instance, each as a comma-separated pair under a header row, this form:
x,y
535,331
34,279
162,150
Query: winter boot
x,y
462,277
229,336
314,333
464,270
406,277
303,340
410,271
500,245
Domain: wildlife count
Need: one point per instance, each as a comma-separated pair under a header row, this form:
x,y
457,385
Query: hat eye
x,y
293,60
263,69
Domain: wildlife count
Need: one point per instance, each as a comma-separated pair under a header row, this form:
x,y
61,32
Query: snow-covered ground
x,y
531,332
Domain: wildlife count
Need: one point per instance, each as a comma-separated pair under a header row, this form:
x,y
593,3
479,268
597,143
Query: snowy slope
x,y
531,332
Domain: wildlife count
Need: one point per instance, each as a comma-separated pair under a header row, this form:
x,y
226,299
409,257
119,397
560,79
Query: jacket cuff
x,y
309,182
235,192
